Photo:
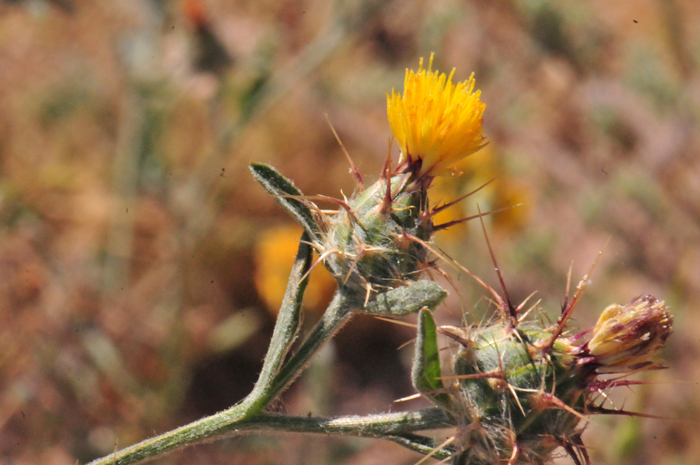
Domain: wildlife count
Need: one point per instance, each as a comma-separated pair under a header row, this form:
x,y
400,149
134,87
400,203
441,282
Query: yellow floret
x,y
435,122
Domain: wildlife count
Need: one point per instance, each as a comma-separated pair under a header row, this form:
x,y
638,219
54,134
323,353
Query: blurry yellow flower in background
x,y
504,191
435,122
275,252
511,192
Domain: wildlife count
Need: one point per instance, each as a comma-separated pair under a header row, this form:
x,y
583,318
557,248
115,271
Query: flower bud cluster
x,y
519,390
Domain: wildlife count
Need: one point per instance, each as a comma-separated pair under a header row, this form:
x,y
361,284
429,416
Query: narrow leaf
x,y
426,370
282,188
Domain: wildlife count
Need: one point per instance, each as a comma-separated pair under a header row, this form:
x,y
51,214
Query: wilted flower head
x,y
435,122
629,336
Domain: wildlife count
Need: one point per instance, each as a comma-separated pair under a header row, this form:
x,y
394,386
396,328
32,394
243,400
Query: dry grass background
x,y
131,298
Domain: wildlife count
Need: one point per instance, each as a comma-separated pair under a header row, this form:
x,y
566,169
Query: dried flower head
x,y
628,336
435,122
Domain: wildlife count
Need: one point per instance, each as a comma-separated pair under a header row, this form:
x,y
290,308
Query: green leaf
x,y
406,300
426,369
284,190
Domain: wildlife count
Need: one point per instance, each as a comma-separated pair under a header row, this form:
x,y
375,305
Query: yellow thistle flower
x,y
627,337
435,122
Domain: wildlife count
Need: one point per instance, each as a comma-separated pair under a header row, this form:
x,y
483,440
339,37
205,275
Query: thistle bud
x,y
628,336
377,240
519,391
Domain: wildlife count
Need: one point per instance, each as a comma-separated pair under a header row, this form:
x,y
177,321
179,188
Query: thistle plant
x,y
513,391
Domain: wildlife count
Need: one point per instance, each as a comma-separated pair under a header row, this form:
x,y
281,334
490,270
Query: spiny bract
x,y
519,391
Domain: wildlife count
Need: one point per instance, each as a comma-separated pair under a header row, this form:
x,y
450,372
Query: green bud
x,y
376,243
517,394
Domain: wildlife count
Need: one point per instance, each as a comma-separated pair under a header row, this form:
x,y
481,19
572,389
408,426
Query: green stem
x,y
219,424
377,425
195,432
275,378
287,324
270,384
337,314
397,427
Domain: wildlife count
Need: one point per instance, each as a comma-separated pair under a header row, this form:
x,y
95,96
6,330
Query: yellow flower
x,y
435,122
627,337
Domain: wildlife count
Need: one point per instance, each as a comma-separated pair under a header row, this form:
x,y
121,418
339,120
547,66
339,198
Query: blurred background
x,y
141,267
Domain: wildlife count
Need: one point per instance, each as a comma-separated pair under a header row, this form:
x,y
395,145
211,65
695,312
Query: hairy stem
x,y
288,319
377,425
337,314
271,383
397,427
213,426
275,377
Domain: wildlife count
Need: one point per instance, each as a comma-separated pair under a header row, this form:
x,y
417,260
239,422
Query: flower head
x,y
626,337
435,122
